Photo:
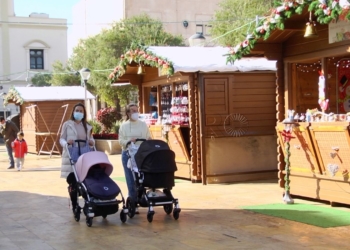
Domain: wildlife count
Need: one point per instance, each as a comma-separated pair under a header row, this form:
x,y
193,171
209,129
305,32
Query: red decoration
x,y
106,136
287,135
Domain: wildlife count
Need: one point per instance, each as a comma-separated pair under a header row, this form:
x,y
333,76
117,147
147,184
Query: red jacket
x,y
20,148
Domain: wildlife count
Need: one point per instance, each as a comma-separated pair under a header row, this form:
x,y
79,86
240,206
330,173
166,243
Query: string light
x,y
132,23
312,67
343,64
44,73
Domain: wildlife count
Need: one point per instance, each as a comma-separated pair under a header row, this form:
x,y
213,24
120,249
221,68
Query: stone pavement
x,y
35,214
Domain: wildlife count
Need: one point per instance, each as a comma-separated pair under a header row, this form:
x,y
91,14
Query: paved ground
x,y
35,214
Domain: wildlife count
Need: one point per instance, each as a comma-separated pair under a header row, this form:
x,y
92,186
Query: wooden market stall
x,y
42,113
314,93
222,116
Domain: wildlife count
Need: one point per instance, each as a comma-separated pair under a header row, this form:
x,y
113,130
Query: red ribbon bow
x,y
287,135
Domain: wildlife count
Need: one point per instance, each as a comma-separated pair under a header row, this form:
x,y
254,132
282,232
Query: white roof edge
x,y
54,93
210,59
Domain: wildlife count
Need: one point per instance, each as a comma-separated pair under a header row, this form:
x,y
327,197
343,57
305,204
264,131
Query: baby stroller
x,y
153,165
92,182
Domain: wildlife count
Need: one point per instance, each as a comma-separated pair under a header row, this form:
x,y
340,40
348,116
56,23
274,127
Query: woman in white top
x,y
130,130
76,128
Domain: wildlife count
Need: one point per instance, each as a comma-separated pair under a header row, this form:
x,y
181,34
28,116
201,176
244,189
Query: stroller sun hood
x,y
155,156
87,160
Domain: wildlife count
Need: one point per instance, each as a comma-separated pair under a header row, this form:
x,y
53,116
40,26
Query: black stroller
x,y
153,166
92,182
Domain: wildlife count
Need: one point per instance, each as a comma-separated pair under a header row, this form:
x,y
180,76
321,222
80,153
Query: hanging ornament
x,y
245,43
322,101
280,9
235,49
327,11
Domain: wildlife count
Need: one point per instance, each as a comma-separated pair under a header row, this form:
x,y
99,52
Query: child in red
x,y
20,148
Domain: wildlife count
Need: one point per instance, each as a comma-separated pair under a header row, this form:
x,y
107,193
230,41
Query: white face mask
x,y
134,116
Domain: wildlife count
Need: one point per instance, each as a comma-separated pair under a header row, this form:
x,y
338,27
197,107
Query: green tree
x,y
236,18
64,75
41,80
101,53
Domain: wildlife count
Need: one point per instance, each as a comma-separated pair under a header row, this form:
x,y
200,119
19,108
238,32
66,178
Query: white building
x,y
28,45
180,17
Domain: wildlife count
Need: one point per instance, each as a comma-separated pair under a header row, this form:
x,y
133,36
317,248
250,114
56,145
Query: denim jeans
x,y
9,152
130,182
19,163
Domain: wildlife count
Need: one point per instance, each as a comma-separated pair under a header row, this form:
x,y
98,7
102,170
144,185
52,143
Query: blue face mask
x,y
78,116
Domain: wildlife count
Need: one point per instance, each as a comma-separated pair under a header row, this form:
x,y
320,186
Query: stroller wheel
x,y
122,216
168,208
176,214
88,221
150,216
130,204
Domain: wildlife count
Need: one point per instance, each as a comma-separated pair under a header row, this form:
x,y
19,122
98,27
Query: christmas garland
x,y
13,95
142,56
325,10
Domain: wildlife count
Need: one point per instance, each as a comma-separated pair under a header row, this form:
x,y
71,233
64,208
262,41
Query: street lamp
x,y
85,75
197,40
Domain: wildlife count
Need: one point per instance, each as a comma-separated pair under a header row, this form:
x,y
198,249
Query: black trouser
x,y
72,189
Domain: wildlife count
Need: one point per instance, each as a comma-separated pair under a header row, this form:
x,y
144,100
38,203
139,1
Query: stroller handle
x,y
78,141
138,139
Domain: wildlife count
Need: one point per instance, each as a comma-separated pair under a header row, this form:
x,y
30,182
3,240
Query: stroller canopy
x,y
87,160
155,156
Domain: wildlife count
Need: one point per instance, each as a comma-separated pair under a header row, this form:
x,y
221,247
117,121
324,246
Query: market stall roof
x,y
209,59
56,93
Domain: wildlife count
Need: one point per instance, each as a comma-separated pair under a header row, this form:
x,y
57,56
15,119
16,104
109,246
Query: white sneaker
x,y
137,210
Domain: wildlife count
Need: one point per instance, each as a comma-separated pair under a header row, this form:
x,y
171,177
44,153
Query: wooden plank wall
x,y
32,122
312,48
252,96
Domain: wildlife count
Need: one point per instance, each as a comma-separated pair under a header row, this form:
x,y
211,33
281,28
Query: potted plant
x,y
106,129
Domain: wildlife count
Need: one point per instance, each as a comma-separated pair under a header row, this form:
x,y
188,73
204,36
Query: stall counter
x,y
319,160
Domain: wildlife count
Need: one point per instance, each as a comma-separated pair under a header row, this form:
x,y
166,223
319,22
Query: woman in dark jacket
x,y
9,131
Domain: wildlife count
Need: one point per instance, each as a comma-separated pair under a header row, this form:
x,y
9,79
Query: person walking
x,y
9,131
130,130
19,145
76,128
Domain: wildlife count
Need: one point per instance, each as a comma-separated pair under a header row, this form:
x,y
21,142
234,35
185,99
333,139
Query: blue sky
x,y
55,9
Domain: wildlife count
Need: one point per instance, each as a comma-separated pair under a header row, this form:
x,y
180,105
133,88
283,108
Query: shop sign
x,y
339,31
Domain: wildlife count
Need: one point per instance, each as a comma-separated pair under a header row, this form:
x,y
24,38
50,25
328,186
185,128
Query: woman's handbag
x,y
77,150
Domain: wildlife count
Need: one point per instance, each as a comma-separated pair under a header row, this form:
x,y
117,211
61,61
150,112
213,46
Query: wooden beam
x,y
166,80
134,79
316,55
295,25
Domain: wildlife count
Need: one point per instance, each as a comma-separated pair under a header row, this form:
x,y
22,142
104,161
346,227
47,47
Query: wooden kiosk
x,y
221,116
42,113
320,150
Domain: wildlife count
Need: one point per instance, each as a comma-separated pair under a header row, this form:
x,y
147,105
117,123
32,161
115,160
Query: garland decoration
x,y
325,11
13,95
141,55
